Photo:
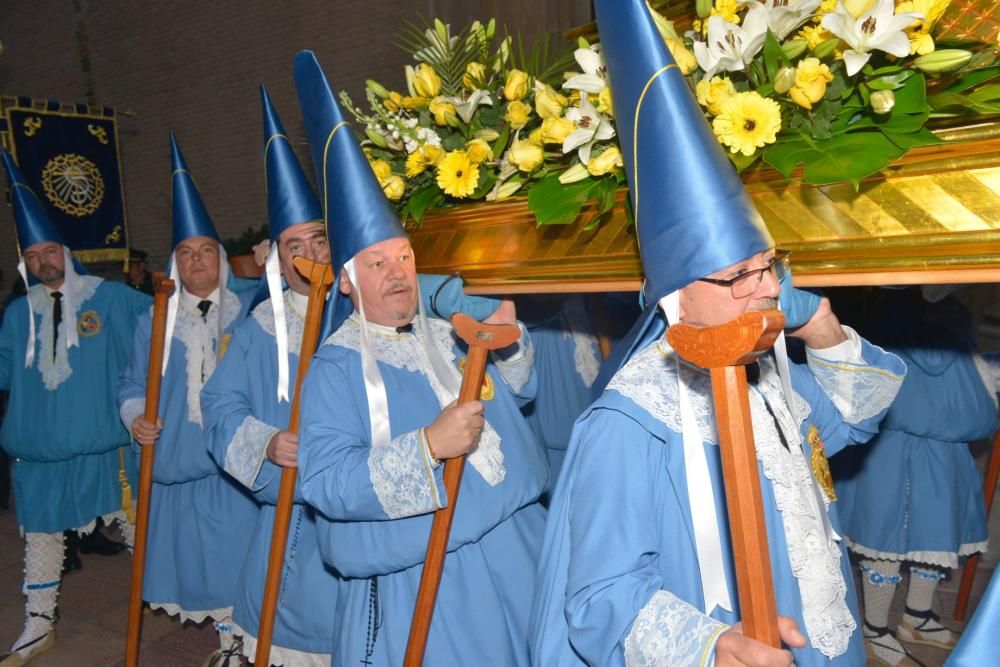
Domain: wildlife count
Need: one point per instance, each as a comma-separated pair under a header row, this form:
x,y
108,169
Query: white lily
x,y
880,28
595,73
591,127
729,46
466,107
785,16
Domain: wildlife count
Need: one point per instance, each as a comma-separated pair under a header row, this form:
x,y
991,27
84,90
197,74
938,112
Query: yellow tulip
x,y
516,86
442,110
381,168
525,155
605,102
535,136
433,154
478,150
475,76
858,7
714,93
555,130
682,56
426,82
811,77
394,187
606,162
393,101
518,114
414,102
548,103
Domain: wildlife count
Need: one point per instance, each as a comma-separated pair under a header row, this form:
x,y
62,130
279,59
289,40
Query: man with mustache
x,y
62,347
379,417
637,568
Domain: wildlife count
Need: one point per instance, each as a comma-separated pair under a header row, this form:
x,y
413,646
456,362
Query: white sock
x,y
920,597
879,579
43,558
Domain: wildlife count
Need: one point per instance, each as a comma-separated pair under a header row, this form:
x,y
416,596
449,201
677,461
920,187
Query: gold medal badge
x,y
224,345
488,391
89,324
820,466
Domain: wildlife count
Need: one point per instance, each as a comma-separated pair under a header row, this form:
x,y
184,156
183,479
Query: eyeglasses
x,y
747,283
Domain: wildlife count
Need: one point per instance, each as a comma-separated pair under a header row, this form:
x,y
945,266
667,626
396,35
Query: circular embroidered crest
x,y
89,324
73,184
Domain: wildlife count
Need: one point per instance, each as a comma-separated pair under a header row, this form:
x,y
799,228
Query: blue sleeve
x,y
132,383
7,348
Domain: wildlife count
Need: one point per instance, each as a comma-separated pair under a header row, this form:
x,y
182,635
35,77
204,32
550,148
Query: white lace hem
x,y
245,454
669,631
185,615
946,559
281,656
858,391
403,476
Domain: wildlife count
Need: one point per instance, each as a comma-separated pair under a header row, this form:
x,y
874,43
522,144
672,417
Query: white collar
x,y
192,301
298,301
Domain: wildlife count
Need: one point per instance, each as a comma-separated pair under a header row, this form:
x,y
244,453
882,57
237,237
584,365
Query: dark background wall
x,y
193,67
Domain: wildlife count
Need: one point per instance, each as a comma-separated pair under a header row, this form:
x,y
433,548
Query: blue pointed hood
x,y
356,211
30,219
692,212
290,198
190,216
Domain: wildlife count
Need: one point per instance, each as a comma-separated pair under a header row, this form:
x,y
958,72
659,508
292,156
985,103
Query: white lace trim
x,y
669,631
586,349
650,381
245,453
814,558
56,371
947,559
516,369
199,338
403,351
858,392
281,656
294,321
988,375
172,609
403,478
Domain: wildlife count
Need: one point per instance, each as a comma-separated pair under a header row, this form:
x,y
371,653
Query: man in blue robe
x,y
378,417
637,568
199,517
915,494
62,347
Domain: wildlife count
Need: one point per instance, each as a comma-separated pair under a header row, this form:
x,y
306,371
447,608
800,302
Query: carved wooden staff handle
x,y
320,278
481,338
725,350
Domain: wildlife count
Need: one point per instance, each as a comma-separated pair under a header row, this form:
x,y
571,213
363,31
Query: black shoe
x,y
98,543
71,558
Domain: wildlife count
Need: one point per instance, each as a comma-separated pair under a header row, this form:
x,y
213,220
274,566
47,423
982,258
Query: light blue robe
x,y
619,572
375,506
200,519
977,646
62,430
915,493
241,412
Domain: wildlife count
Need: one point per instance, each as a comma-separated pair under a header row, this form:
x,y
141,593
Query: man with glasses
x,y
637,566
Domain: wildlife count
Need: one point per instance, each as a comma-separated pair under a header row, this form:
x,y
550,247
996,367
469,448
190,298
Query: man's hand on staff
x,y
808,316
456,430
283,448
144,432
735,650
506,313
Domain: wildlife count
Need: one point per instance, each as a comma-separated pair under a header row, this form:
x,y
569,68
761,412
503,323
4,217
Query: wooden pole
x,y
481,338
162,287
725,350
320,278
972,562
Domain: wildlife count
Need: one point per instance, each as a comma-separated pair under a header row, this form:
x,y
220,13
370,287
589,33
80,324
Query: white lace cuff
x,y
130,409
669,631
858,390
515,367
402,475
245,454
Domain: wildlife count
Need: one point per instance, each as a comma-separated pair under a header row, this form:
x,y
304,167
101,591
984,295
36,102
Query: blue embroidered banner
x,y
69,155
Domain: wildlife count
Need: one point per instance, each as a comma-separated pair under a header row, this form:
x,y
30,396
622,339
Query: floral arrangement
x,y
837,86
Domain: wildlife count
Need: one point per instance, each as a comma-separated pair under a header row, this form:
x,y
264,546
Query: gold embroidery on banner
x,y
89,324
99,132
73,184
115,236
32,125
488,391
820,466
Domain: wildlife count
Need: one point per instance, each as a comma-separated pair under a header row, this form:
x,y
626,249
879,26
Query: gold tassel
x,y
820,466
127,505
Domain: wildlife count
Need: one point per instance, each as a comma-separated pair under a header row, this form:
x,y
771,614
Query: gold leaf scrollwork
x,y
73,184
114,236
31,125
99,132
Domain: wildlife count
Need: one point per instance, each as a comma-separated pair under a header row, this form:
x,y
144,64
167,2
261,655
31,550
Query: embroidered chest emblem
x,y
488,391
89,324
224,345
820,466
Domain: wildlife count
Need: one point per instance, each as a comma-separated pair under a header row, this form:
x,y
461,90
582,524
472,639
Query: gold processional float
x,y
933,216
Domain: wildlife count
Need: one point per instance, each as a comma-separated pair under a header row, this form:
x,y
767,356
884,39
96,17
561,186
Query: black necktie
x,y
204,305
406,328
56,320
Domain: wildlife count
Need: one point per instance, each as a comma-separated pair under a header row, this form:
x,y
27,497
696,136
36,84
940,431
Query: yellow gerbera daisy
x,y
747,122
457,175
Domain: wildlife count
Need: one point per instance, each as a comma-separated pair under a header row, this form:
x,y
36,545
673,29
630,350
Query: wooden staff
x,y
481,338
320,278
162,287
972,562
725,350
